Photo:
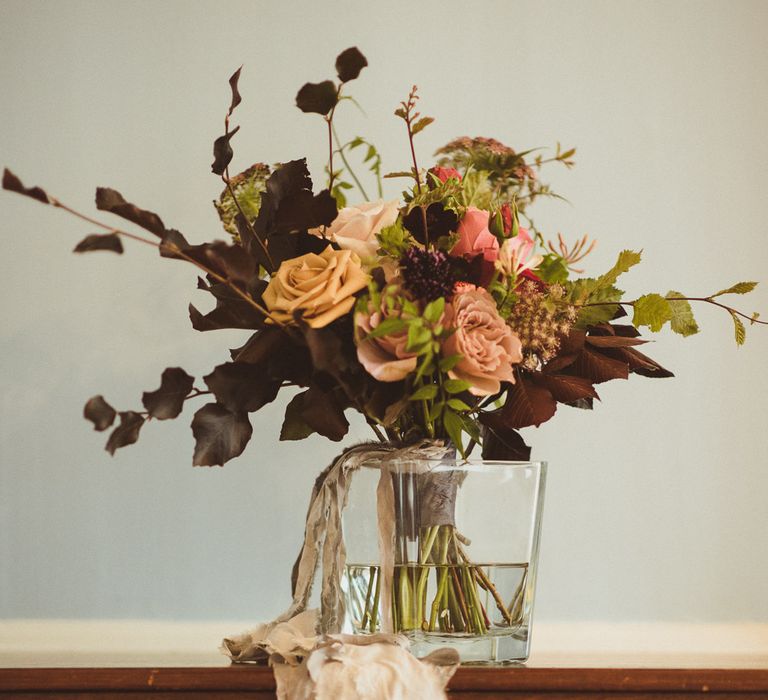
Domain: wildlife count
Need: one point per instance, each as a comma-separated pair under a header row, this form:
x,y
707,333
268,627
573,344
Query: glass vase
x,y
464,549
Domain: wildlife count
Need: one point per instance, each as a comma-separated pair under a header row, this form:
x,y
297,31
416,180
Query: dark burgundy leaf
x,y
599,367
99,412
565,388
323,413
241,386
112,201
501,442
222,152
231,261
625,330
293,245
572,343
220,435
100,241
318,98
168,401
127,432
231,311
13,184
527,404
259,346
236,99
349,63
440,222
288,205
294,426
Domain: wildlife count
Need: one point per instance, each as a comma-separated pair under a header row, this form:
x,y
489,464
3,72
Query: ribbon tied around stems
x,y
324,541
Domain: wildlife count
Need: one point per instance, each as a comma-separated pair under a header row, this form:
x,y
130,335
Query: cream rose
x,y
321,287
487,343
384,358
355,228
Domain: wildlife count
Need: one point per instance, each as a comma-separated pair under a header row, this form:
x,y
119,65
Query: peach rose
x,y
385,358
487,343
475,238
321,287
355,228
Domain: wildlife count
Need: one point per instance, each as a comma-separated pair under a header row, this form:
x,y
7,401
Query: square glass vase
x,y
462,554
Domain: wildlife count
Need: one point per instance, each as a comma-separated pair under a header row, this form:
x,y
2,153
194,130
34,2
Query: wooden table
x,y
647,677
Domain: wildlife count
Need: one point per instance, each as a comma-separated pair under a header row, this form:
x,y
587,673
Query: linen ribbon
x,y
324,541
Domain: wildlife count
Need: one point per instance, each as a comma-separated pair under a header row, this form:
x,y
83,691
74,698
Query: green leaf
x,y
652,310
456,386
592,315
552,269
627,259
434,412
471,427
738,288
425,366
739,330
418,336
394,240
420,125
448,363
388,326
682,321
453,427
458,405
434,310
425,393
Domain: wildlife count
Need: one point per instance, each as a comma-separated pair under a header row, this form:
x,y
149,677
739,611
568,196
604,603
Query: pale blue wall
x,y
657,501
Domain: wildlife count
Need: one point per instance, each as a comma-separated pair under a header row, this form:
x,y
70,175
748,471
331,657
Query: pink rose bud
x,y
506,217
444,174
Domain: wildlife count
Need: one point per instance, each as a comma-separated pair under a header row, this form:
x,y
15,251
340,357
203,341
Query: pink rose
x,y
385,358
475,238
487,343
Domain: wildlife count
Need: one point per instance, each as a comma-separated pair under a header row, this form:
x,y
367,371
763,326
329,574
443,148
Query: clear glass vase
x,y
462,569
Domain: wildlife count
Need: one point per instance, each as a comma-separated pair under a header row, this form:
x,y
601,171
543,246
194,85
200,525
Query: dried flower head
x,y
541,319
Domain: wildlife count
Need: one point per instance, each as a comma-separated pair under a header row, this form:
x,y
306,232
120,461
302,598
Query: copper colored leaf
x,y
127,432
236,99
527,404
112,201
168,401
566,388
222,152
220,435
502,442
599,367
349,63
318,98
643,365
100,241
613,341
13,184
99,412
241,386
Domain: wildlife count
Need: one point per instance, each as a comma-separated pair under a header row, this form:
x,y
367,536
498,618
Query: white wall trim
x,y
552,639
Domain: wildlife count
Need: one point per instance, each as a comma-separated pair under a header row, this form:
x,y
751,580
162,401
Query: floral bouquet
x,y
444,316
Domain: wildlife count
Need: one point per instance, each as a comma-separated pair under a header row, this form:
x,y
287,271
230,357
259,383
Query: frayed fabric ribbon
x,y
324,541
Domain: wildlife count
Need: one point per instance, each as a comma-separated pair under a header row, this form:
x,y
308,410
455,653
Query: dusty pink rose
x,y
385,358
488,345
475,238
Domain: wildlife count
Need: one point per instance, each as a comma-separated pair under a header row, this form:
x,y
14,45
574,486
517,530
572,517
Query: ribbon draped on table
x,y
291,636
